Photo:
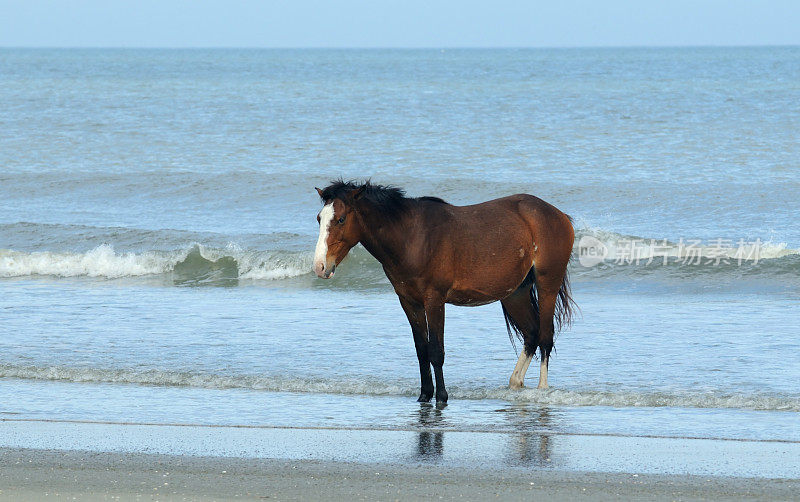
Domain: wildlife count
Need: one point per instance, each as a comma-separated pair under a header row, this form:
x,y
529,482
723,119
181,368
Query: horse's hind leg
x,y
547,288
524,318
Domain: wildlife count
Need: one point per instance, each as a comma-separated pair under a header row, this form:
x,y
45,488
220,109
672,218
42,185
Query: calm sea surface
x,y
158,218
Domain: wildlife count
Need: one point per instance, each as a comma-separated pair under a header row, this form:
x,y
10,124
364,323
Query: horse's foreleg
x,y
435,317
419,328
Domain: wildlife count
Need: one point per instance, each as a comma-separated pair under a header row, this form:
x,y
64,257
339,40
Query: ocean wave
x,y
101,261
597,254
196,264
375,387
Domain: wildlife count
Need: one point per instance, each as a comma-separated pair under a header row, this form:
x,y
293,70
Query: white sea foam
x,y
104,261
101,261
623,399
273,266
374,387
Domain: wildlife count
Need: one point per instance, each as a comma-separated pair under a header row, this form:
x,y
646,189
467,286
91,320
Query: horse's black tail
x,y
564,311
565,305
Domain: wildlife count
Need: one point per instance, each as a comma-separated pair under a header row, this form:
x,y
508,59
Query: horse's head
x,y
339,231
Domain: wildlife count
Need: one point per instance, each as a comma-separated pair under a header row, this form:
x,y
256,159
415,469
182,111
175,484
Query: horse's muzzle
x,y
323,272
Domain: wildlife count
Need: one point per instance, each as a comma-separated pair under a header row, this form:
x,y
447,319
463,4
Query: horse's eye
x,y
341,220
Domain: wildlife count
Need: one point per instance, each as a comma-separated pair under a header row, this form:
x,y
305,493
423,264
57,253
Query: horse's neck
x,y
384,240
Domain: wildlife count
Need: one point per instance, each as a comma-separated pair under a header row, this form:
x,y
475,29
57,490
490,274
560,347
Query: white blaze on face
x,y
321,253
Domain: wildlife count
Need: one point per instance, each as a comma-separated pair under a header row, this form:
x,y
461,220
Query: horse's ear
x,y
358,192
319,191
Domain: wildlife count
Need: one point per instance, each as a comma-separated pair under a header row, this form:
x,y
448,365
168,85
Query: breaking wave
x,y
598,254
196,264
374,387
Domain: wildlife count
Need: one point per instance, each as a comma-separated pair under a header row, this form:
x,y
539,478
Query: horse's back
x,y
509,210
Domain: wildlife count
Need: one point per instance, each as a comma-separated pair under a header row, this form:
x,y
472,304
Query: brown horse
x,y
513,249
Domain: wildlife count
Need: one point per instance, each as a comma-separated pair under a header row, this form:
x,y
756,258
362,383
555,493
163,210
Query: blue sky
x,y
408,23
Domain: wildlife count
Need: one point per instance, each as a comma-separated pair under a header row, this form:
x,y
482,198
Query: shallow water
x,y
157,219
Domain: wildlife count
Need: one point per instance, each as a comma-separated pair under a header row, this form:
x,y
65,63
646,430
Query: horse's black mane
x,y
388,199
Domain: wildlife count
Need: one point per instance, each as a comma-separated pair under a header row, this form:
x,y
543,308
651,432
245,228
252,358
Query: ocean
x,y
158,223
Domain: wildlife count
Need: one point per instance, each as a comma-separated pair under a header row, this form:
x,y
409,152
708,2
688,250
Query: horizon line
x,y
388,47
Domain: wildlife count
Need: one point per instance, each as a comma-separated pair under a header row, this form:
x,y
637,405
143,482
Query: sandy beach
x,y
100,461
39,474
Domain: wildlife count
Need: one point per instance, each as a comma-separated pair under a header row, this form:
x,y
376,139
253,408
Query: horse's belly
x,y
481,294
486,284
469,298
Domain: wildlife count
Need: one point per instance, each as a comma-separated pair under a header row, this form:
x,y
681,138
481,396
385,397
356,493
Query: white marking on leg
x,y
518,375
321,253
543,373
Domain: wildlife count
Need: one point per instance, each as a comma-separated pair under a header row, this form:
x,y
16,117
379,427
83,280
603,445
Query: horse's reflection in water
x,y
529,447
430,443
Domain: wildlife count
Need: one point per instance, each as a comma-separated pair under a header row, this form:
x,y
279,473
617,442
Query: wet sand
x,y
28,474
435,446
101,460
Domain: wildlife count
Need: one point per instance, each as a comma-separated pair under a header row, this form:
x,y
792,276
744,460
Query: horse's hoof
x,y
424,398
540,386
516,386
441,397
